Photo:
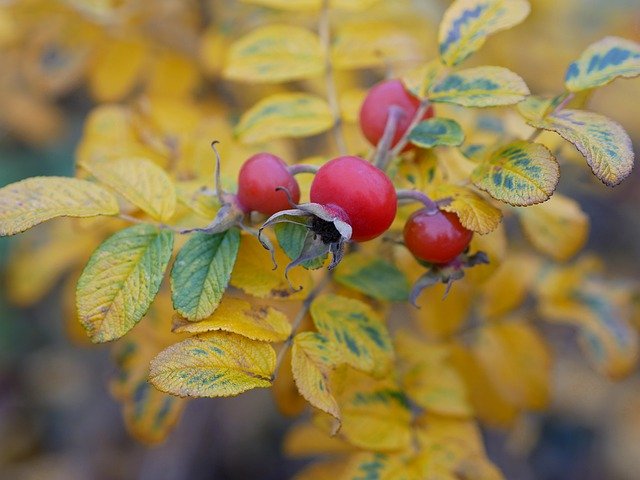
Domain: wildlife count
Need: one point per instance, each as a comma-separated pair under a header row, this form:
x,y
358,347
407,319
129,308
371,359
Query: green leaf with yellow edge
x,y
201,272
517,361
30,202
140,181
275,53
437,132
239,316
291,237
480,87
520,173
475,213
558,228
217,364
355,331
312,5
603,142
420,80
313,357
285,115
467,24
603,62
121,280
374,277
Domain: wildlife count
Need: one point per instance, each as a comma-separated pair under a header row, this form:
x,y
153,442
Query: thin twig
x,y
139,221
417,118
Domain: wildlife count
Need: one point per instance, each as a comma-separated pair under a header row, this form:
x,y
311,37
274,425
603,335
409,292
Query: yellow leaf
x,y
275,53
241,317
173,75
494,244
474,212
307,440
439,317
29,202
285,393
558,228
285,115
322,470
378,466
350,104
437,430
140,181
312,5
193,195
218,364
355,331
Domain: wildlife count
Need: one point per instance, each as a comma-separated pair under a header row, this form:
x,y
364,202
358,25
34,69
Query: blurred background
x,y
59,59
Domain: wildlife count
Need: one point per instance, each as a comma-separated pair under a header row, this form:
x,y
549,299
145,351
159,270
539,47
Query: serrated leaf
x,y
275,53
291,237
313,5
121,280
467,24
202,271
312,359
474,212
218,364
238,316
603,62
374,277
558,228
437,132
603,142
520,173
480,87
355,331
140,181
285,115
30,202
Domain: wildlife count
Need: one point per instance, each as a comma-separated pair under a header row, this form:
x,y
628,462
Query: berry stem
x,y
381,158
416,196
302,168
417,118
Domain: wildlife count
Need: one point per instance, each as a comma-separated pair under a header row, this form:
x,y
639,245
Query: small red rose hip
x,y
259,177
375,110
436,237
362,191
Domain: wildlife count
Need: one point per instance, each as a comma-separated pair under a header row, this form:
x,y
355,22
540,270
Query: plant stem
x,y
302,168
417,118
538,131
417,196
332,93
139,221
381,158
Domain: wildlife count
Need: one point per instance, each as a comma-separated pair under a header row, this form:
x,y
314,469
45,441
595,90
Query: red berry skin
x,y
375,110
363,191
437,238
259,177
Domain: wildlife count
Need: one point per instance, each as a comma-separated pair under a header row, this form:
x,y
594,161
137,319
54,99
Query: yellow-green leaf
x,y
437,132
474,212
121,280
218,364
312,359
420,80
378,466
467,24
313,5
603,142
603,62
374,277
140,181
239,316
35,200
275,53
285,115
521,174
355,331
480,87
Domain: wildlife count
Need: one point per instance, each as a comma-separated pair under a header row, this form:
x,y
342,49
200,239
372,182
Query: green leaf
x,y
121,280
480,87
603,142
373,276
467,24
521,174
603,62
291,238
201,273
437,132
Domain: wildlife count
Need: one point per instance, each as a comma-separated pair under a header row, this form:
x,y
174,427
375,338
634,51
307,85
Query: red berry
x,y
375,110
259,177
436,238
362,191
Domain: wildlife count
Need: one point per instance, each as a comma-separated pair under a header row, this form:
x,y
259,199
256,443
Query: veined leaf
x,y
218,364
275,53
474,212
313,5
285,115
202,271
467,24
291,238
121,280
374,277
30,202
378,466
355,331
603,142
480,87
420,80
437,132
140,181
521,174
603,62
238,316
